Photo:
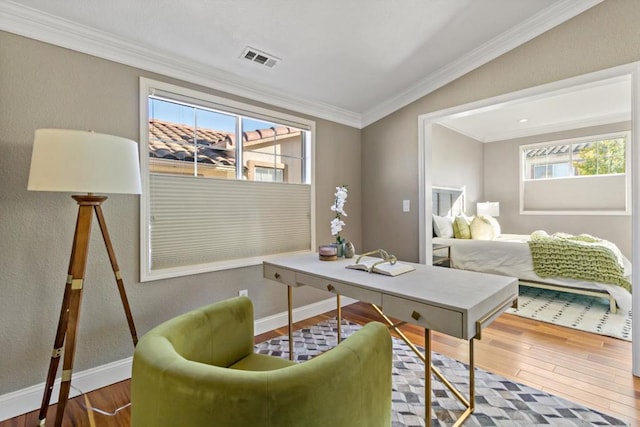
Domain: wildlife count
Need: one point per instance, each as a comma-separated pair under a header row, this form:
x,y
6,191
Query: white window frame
x,y
149,86
598,137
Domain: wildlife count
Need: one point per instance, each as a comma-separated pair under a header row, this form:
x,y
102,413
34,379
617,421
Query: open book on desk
x,y
386,264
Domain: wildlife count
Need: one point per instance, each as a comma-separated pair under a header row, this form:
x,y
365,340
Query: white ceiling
x,y
351,61
604,102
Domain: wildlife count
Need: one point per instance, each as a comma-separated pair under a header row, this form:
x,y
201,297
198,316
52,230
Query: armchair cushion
x,y
199,369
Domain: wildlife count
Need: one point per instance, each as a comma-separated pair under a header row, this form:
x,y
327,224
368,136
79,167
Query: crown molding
x,y
539,23
32,23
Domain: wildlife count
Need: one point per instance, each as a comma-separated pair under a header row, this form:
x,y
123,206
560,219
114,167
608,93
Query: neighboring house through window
x,y
594,157
214,200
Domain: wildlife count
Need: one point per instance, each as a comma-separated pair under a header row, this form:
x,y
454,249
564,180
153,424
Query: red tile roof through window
x,y
556,149
174,141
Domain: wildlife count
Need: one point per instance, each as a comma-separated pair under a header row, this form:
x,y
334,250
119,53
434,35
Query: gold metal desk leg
x,y
472,377
290,313
427,377
470,404
426,358
339,318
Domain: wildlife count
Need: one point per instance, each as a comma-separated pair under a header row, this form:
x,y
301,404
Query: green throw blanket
x,y
580,257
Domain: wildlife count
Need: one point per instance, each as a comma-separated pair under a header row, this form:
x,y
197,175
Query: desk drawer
x,y
282,275
428,316
350,291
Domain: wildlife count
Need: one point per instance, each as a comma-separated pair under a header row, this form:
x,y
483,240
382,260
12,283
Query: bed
x,y
509,255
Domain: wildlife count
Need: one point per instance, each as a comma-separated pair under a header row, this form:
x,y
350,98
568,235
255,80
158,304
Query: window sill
x,y
578,212
168,273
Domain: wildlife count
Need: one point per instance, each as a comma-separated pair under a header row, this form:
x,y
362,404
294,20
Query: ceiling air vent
x,y
259,57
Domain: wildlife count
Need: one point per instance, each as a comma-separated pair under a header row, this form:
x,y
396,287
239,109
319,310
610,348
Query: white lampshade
x,y
488,208
83,162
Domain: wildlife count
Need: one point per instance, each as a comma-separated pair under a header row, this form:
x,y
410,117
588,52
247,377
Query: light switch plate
x,y
406,205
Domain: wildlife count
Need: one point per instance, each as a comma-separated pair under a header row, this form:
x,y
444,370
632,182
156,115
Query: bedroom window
x,y
226,184
601,156
578,176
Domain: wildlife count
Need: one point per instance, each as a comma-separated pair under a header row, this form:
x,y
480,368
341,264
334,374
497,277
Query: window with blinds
x,y
580,176
226,184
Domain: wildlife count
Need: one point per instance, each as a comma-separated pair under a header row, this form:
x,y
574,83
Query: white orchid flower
x,y
338,207
336,226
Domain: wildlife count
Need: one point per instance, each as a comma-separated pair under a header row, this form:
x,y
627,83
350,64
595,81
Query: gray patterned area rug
x,y
499,402
573,311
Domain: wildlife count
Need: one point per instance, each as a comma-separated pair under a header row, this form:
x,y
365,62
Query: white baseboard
x,y
29,399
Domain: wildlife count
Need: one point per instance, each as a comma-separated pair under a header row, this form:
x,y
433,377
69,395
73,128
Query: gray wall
x,y
458,161
602,37
501,183
491,172
46,86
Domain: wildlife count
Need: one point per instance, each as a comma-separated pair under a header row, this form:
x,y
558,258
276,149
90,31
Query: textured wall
x,y
491,172
46,86
602,37
501,182
458,161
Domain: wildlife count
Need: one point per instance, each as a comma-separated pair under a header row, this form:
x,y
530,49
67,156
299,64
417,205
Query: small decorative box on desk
x,y
328,252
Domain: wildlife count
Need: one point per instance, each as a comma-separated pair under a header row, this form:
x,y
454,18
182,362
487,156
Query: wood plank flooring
x,y
589,369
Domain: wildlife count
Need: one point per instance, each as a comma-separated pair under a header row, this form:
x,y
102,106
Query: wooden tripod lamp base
x,y
71,302
81,162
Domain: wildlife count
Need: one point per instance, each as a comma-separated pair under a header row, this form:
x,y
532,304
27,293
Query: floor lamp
x,y
81,162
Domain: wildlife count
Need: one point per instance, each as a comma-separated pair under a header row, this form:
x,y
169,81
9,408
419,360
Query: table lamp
x,y
81,162
488,208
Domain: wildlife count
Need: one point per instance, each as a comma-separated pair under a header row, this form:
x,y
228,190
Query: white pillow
x,y
484,228
443,226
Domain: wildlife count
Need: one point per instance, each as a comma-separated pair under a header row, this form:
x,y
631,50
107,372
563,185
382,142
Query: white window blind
x,y
202,220
202,209
578,176
599,193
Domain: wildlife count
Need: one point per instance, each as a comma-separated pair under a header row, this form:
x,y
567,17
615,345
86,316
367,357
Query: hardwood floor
x,y
589,369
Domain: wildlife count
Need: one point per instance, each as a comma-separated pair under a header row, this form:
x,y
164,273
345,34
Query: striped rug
x,y
573,311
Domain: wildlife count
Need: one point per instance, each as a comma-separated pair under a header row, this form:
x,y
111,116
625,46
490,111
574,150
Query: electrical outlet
x,y
243,293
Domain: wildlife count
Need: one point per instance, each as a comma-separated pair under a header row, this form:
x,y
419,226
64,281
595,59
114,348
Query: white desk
x,y
455,302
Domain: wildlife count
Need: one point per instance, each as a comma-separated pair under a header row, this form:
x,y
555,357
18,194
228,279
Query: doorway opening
x,y
461,118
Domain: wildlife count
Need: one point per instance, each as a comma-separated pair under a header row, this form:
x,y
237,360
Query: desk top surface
x,y
448,288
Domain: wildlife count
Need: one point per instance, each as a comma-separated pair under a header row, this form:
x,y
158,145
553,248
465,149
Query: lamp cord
x,y
98,410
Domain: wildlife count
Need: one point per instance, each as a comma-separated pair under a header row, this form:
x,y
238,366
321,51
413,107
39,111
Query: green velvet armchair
x,y
200,369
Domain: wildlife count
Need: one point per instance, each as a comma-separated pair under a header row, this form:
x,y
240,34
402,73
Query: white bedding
x,y
509,255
